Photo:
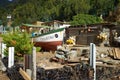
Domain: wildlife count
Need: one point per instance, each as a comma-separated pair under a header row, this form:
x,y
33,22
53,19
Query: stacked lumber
x,y
115,53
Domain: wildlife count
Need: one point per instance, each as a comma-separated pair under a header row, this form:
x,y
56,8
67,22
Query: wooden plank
x,y
110,52
114,54
73,64
117,52
24,74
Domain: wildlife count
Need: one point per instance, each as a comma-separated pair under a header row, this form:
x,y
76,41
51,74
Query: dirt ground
x,y
42,60
3,76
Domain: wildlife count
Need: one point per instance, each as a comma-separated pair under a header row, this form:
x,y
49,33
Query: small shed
x,y
85,34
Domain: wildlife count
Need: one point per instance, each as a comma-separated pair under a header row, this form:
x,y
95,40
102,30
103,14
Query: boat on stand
x,y
50,40
45,37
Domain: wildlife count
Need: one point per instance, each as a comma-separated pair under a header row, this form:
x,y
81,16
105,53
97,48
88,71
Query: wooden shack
x,y
85,34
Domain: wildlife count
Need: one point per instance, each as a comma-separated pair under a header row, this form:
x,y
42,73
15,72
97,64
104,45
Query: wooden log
x,y
24,74
117,52
73,61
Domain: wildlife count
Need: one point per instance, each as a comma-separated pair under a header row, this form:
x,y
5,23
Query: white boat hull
x,y
49,41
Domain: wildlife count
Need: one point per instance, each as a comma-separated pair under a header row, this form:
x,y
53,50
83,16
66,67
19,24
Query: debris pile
x,y
77,72
13,73
64,56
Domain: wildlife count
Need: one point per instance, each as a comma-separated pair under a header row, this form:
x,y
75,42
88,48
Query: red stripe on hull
x,y
48,45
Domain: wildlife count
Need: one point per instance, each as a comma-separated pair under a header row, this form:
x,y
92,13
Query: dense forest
x,y
27,11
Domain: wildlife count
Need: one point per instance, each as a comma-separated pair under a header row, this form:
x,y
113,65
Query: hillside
x,y
4,3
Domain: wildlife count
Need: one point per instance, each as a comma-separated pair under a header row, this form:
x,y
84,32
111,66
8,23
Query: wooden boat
x,y
45,37
49,40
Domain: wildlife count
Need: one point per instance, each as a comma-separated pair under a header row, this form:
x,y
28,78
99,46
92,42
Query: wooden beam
x,y
117,52
24,74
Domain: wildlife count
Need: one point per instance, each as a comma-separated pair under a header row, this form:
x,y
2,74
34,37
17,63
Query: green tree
x,y
70,8
27,11
84,19
103,7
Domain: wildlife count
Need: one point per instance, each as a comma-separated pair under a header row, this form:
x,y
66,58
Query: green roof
x,y
31,25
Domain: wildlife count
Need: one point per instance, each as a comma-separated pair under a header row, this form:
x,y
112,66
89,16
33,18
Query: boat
x,y
46,37
49,40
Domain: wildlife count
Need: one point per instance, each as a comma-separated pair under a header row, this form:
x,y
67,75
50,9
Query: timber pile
x,y
115,53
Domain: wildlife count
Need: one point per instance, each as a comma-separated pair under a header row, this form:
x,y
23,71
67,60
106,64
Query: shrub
x,y
21,42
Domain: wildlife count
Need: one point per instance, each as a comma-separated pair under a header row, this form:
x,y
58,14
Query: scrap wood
x,y
24,74
110,62
84,59
73,61
114,54
110,52
117,53
72,64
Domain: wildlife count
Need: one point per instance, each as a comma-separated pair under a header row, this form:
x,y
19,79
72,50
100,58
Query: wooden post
x,y
11,57
27,62
93,58
24,74
34,64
